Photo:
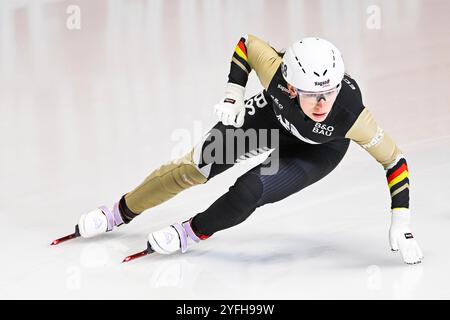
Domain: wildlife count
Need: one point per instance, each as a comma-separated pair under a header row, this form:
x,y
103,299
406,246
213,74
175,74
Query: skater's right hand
x,y
401,237
231,110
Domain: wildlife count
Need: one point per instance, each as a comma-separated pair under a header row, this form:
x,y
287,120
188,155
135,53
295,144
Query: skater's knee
x,y
246,193
232,208
182,173
249,187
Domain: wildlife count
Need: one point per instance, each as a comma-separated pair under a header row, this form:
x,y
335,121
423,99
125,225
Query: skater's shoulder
x,y
350,97
350,88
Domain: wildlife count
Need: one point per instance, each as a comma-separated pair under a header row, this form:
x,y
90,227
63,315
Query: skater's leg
x,y
163,184
297,170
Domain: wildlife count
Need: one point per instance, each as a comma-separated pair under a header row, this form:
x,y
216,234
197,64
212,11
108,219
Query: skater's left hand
x,y
231,110
401,237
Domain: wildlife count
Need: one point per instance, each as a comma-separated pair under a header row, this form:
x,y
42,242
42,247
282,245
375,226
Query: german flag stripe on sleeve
x,y
240,54
398,181
241,50
399,185
400,171
240,68
397,175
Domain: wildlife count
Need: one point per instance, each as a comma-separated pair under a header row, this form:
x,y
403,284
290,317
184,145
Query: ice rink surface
x,y
87,114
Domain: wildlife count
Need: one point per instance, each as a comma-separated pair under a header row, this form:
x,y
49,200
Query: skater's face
x,y
315,105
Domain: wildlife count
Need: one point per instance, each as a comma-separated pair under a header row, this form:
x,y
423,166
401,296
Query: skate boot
x,y
99,221
171,239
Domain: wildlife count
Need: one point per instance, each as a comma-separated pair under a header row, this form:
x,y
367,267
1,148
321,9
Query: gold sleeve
x,y
373,139
263,59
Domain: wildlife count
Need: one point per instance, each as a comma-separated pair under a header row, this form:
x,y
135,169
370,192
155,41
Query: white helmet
x,y
313,64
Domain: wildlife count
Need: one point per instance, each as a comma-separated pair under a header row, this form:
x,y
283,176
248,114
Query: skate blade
x,y
141,254
74,235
